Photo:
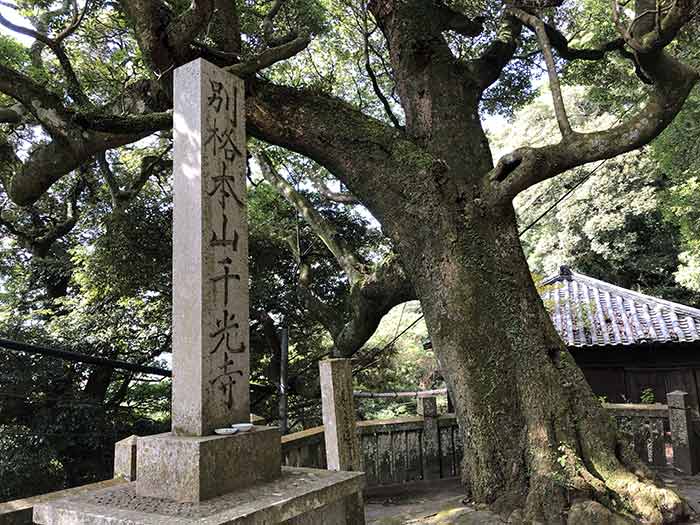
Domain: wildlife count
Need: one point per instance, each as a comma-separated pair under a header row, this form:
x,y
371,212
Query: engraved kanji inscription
x,y
226,378
224,240
224,187
222,141
211,307
219,97
224,327
226,277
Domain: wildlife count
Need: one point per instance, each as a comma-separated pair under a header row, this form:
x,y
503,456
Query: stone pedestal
x,y
125,458
194,469
299,496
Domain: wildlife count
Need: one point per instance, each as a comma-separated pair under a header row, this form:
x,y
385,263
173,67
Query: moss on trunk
x,y
538,444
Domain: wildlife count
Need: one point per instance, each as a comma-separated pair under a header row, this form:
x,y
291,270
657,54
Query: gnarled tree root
x,y
572,492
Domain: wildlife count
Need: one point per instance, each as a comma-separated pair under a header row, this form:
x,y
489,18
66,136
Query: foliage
x,y
116,264
647,396
674,154
615,224
399,364
87,266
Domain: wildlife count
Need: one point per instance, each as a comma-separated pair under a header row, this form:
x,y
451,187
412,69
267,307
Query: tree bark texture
x,y
538,445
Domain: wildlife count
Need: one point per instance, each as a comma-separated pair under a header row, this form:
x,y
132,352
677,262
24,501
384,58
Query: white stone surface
x,y
211,366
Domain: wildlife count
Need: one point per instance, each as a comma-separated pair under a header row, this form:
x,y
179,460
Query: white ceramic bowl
x,y
243,427
225,431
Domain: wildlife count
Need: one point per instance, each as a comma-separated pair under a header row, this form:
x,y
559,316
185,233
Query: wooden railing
x,y
410,449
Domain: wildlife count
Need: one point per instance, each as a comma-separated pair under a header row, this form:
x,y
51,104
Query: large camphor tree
x,y
538,445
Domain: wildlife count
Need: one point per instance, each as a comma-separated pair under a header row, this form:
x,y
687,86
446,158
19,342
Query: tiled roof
x,y
590,312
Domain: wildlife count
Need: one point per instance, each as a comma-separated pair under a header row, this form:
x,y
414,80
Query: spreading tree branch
x,y
12,114
653,29
225,29
452,20
44,233
334,196
486,69
268,26
368,156
122,197
270,57
372,292
325,231
76,138
534,22
182,30
561,44
525,167
74,88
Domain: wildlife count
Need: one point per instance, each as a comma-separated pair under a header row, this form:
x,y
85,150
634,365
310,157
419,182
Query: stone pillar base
x,y
300,496
194,469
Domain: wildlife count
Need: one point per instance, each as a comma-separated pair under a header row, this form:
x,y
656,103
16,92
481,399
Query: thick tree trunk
x,y
536,438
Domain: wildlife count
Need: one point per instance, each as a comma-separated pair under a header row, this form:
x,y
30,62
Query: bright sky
x,y
15,18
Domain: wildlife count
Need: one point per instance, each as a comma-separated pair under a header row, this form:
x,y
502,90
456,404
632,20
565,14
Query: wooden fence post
x,y
427,407
682,435
340,428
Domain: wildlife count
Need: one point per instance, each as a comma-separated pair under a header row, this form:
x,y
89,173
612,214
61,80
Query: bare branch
x,y
269,57
559,107
350,264
339,197
525,167
373,78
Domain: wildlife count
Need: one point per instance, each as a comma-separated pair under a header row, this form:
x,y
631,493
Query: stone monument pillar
x,y
211,363
210,252
238,475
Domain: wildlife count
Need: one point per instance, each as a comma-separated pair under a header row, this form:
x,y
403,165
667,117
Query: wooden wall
x,y
621,374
